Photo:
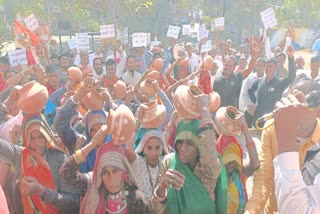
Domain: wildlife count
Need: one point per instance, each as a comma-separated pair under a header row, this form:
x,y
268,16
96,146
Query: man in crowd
x,y
84,63
244,100
111,78
313,73
64,64
306,135
98,70
281,71
193,59
291,187
228,85
131,76
270,88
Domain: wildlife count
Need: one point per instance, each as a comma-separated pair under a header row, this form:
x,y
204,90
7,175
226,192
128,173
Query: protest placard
x,y
77,60
83,41
31,22
202,32
148,35
173,31
219,24
154,43
196,27
206,47
92,56
107,31
268,18
139,40
122,34
18,57
186,29
72,43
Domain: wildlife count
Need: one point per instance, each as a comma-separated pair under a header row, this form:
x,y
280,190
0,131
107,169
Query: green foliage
x,y
156,15
303,13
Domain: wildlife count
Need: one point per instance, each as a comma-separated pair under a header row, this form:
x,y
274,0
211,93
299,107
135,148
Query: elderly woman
x,y
146,159
187,179
35,185
112,188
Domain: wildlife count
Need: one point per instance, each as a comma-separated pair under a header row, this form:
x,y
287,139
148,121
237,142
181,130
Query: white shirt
x,y
292,194
244,99
193,62
128,78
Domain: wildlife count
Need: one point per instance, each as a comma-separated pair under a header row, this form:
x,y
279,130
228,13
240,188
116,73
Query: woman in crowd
x,y
145,160
35,185
192,171
112,188
230,149
92,122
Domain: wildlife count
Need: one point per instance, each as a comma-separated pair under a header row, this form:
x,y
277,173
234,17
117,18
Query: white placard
x,y
91,58
186,29
203,32
173,31
219,23
268,18
77,60
31,22
83,41
196,27
18,57
122,34
148,38
107,31
206,47
139,40
154,43
72,43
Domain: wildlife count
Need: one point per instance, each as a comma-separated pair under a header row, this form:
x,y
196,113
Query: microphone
x,y
313,100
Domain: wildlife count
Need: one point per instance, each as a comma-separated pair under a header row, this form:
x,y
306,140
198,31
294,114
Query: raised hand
x,y
172,179
290,52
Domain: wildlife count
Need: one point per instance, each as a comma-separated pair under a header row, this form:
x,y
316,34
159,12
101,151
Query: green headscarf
x,y
194,197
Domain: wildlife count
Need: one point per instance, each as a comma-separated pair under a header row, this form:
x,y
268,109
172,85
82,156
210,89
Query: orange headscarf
x,y
34,165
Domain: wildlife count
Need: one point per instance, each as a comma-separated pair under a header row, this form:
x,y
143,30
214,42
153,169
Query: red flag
x,y
19,29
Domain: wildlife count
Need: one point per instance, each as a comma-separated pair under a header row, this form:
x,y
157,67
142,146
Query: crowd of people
x,y
160,131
